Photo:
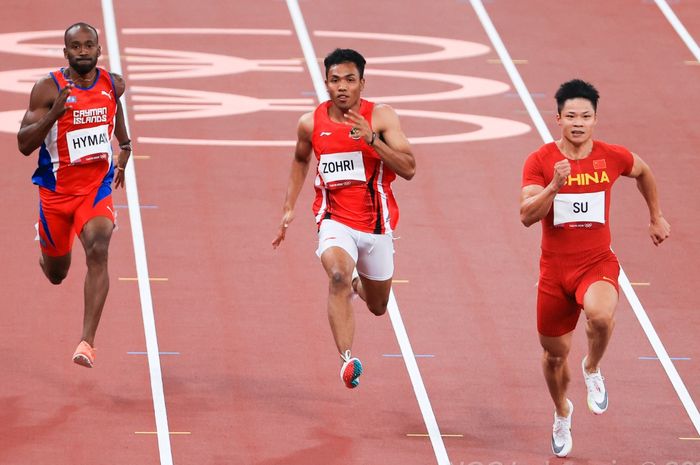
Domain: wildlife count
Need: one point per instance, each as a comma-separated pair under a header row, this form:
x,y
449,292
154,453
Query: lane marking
x,y
146,207
497,61
160,353
656,358
155,432
632,298
425,435
689,439
399,281
416,355
680,29
141,157
691,62
162,430
393,309
640,284
136,279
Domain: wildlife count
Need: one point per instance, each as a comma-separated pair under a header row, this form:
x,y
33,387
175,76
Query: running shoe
x,y
84,355
561,433
351,370
597,395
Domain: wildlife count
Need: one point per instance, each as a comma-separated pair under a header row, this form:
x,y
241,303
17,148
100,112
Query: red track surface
x,y
256,379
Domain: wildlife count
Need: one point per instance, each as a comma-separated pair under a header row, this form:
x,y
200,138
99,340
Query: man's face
x,y
82,50
577,120
344,85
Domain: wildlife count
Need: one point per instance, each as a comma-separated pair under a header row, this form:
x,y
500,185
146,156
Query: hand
x,y
59,106
659,230
120,168
284,224
562,170
358,122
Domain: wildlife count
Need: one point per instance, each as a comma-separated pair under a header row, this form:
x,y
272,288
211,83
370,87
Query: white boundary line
x,y
140,257
632,298
680,29
394,313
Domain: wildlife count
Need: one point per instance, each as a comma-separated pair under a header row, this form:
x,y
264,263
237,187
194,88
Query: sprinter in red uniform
x,y
73,114
567,186
360,148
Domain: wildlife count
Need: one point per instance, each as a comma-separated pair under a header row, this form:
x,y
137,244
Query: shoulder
x,y
539,155
305,126
46,88
613,149
384,116
119,83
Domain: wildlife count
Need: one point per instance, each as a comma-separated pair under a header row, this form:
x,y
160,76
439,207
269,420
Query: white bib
x,y
341,169
579,208
89,141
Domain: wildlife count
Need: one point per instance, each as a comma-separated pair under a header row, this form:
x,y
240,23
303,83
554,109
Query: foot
x,y
561,433
84,355
351,370
597,395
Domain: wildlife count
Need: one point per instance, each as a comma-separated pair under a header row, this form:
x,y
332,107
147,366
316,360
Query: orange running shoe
x,y
84,355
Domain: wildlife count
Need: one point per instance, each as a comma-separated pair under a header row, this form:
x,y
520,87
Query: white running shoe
x,y
561,433
597,395
351,370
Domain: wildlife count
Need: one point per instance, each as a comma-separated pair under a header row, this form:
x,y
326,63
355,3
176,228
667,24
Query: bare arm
x,y
46,105
121,133
393,146
659,229
297,174
536,201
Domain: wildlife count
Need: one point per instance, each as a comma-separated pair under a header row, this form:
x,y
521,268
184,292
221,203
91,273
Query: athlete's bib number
x,y
575,210
89,144
341,169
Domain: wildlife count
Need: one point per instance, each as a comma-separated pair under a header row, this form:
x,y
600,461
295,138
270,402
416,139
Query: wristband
x,y
125,145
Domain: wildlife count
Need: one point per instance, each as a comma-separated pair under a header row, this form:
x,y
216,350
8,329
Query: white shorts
x,y
373,253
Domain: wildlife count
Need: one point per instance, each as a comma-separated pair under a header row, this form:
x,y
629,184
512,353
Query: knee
x,y
97,252
378,309
601,323
56,277
340,281
554,361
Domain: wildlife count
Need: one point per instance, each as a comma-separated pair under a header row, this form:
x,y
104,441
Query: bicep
x,y
390,128
638,166
529,191
119,84
302,151
40,102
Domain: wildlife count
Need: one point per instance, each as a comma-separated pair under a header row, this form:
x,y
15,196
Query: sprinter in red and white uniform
x,y
73,114
359,148
566,186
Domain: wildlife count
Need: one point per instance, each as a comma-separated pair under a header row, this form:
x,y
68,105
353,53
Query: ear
x,y
65,53
558,116
362,84
99,50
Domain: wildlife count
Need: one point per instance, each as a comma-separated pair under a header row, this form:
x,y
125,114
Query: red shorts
x,y
62,217
564,280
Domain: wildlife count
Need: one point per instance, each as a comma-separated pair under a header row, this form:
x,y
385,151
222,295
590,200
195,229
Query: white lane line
x,y
132,196
680,29
632,298
394,313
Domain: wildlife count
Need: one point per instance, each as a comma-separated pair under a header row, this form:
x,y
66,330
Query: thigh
x,y
597,288
557,310
96,205
333,234
55,226
375,260
557,346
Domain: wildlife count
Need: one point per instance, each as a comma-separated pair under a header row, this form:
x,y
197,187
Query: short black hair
x,y
576,88
345,55
80,26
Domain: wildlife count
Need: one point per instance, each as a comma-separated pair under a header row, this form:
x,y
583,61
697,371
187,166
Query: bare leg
x,y
599,304
556,369
374,293
339,265
55,268
95,237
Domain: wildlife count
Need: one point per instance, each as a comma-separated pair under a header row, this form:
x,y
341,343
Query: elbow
x,y
26,150
526,220
408,175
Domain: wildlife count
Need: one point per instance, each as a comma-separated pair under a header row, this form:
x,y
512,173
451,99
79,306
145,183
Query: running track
x,y
248,365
